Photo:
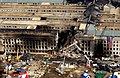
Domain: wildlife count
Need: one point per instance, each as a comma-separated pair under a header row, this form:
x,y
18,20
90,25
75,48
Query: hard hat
x,y
86,70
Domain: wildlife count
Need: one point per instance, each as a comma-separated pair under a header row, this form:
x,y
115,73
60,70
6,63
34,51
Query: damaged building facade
x,y
34,27
108,27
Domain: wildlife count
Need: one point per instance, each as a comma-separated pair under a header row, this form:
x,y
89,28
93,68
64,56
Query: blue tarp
x,y
20,70
7,53
114,76
85,75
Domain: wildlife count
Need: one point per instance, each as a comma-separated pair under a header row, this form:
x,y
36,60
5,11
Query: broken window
x,y
75,19
43,18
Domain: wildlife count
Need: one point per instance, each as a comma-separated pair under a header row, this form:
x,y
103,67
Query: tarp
x,y
114,76
21,70
85,75
100,74
7,53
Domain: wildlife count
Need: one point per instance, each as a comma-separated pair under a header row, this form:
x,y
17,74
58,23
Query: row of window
x,y
15,19
108,29
104,42
8,26
117,53
115,20
28,46
110,16
43,10
114,45
106,48
108,24
18,3
87,53
41,3
45,29
42,30
20,41
13,43
106,15
39,18
13,27
64,19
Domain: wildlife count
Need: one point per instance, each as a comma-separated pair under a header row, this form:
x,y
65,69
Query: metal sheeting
x,y
82,26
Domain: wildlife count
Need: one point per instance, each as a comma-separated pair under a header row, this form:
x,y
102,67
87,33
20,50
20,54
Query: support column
x,y
92,47
38,45
47,44
44,45
41,44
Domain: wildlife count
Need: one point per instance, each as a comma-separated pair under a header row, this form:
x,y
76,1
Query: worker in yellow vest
x,y
9,57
